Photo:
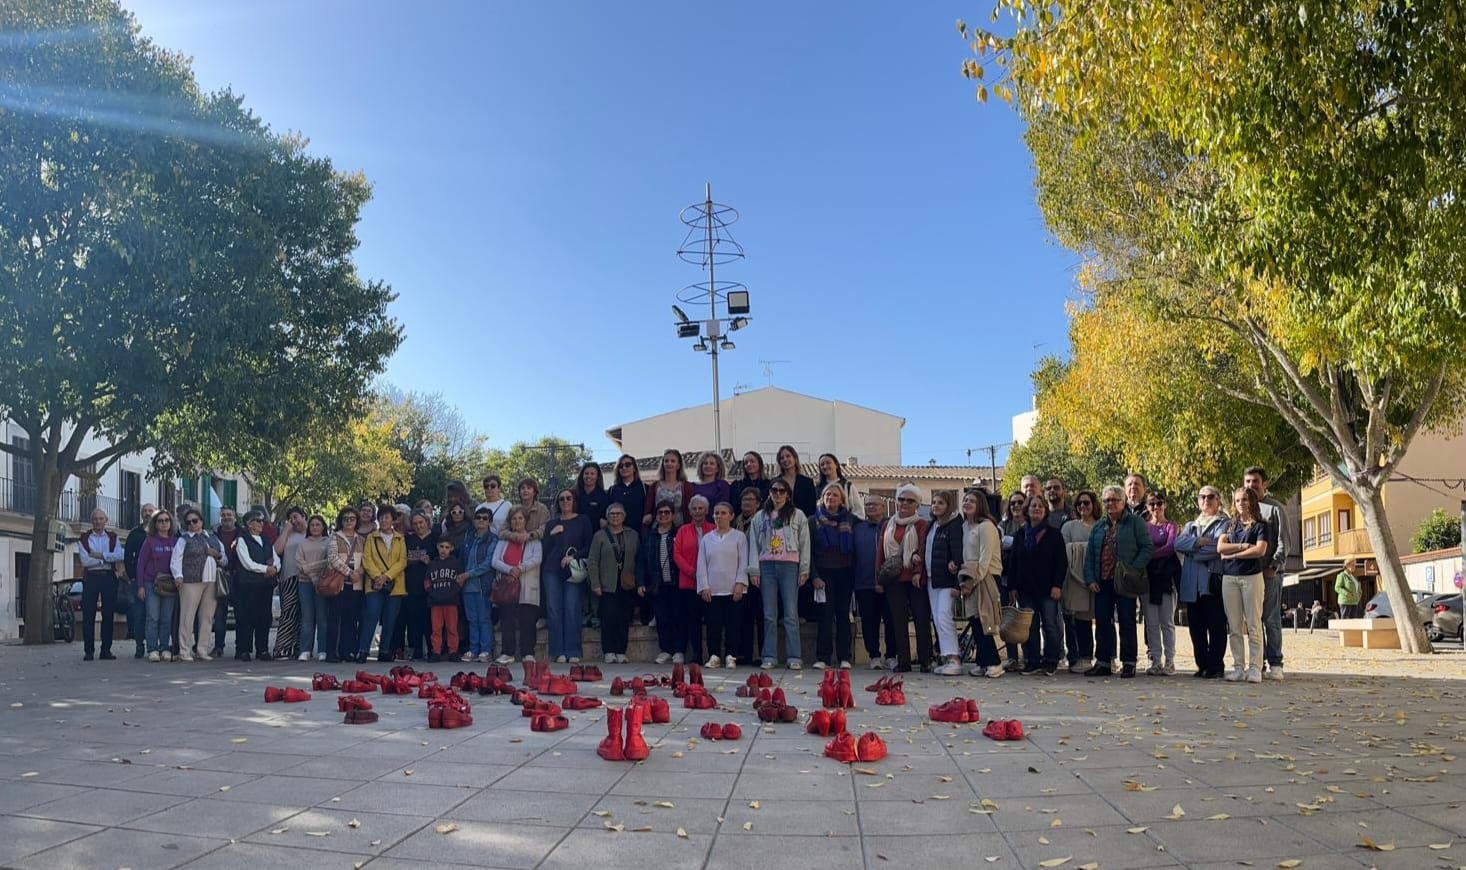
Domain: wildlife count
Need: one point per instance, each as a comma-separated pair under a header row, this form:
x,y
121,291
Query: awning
x,y
1312,573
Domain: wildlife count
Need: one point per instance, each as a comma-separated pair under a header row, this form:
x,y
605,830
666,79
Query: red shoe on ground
x,y
610,747
325,683
638,686
494,686
660,710
996,729
870,747
678,677
700,701
558,685
499,672
711,731
636,748
540,708
819,723
453,718
352,702
788,714
618,686
522,697
745,691
360,717
731,731
694,674
274,694
837,722
842,749
358,686
765,681
890,698
580,702
548,723
293,695
1014,730
590,674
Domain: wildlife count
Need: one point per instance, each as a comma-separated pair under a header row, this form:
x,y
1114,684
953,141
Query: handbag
x,y
330,583
1214,584
1131,582
223,583
579,570
164,586
1016,624
505,591
890,567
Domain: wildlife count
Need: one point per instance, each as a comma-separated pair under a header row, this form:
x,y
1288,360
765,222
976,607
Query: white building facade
x,y
766,418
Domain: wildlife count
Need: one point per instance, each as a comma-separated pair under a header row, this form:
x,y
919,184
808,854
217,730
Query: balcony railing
x,y
72,507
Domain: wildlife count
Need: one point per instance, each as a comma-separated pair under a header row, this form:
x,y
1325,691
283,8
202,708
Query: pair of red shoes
x,y
468,682
398,686
499,672
654,710
544,722
520,697
432,691
347,703
845,748
1003,729
556,684
826,722
714,731
634,747
442,716
585,673
291,695
637,685
580,702
369,677
540,708
773,707
891,697
699,700
358,686
959,711
360,717
835,689
891,682
325,683
495,686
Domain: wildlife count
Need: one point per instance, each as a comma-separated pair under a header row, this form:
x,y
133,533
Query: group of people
x,y
724,568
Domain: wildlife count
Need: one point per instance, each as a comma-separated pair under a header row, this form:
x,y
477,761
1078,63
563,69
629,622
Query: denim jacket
x,y
478,562
1197,561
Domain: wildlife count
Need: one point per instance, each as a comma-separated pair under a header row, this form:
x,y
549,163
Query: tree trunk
x,y
1392,572
39,624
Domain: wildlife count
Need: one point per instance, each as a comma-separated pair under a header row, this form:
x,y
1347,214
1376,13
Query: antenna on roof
x,y
768,366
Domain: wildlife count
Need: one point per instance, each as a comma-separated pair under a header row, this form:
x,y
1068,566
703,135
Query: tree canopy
x,y
176,274
1436,532
1271,195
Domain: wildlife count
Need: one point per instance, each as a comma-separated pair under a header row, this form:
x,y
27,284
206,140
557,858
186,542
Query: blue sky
x,y
529,161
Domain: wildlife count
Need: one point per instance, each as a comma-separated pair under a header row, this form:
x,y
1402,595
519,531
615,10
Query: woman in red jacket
x,y
684,552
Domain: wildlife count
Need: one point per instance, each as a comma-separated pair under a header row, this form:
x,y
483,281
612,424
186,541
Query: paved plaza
x,y
129,764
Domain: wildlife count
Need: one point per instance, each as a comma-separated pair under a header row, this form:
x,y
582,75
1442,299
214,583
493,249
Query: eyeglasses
x,y
195,521
778,491
567,498
1155,503
1111,500
624,465
1084,502
484,517
1208,496
907,500
491,486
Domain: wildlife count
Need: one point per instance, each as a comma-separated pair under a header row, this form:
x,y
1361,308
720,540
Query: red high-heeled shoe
x,y
819,723
580,702
293,695
842,748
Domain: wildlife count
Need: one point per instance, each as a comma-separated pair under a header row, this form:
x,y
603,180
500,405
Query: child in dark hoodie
x,y
442,586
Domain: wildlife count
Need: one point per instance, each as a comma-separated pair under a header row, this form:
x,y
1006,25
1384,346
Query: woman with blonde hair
x,y
834,570
982,563
518,563
1243,547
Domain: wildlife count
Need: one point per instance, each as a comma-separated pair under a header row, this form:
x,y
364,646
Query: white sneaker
x,y
1274,673
320,657
1253,675
730,662
663,658
1234,675
609,658
574,660
844,664
653,623
185,656
487,657
303,657
678,659
878,664
621,658
950,669
467,657
1169,668
1081,666
713,663
1155,669
819,666
768,664
203,656
154,657
529,659
560,660
796,665
166,655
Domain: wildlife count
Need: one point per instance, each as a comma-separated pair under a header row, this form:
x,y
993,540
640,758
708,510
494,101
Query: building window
x,y
130,511
1310,537
167,496
23,479
1345,520
230,498
1325,529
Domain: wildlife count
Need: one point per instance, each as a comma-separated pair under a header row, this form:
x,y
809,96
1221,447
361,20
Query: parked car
x,y
1379,607
1445,623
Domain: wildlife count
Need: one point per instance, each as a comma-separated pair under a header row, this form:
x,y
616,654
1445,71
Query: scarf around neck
x,y
907,545
1032,535
834,530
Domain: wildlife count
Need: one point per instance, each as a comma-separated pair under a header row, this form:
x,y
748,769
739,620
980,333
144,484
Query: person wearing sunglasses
x,y
1119,536
155,560
590,494
1078,600
495,501
902,575
1012,527
259,568
778,563
626,486
567,537
1160,605
1201,584
477,553
195,563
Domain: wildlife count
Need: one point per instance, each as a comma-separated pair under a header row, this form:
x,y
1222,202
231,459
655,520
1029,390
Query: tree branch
x,y
113,452
1417,419
1348,447
84,425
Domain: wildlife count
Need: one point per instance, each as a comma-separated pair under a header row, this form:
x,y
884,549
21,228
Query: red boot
x,y
293,695
731,731
677,675
273,694
870,747
636,748
837,721
610,748
694,674
660,710
618,687
819,723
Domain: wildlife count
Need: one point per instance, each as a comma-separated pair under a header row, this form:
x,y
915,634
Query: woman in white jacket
x,y
722,578
518,560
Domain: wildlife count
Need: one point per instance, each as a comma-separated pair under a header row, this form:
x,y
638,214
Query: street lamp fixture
x,y
725,344
678,313
688,330
737,323
701,346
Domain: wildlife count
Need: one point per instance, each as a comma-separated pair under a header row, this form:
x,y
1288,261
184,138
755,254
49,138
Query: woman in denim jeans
x,y
1038,564
156,558
778,558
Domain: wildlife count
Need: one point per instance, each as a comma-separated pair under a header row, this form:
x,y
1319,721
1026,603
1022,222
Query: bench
x,y
1367,633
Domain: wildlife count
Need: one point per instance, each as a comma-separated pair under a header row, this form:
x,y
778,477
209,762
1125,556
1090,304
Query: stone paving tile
x,y
287,790
402,798
525,807
1038,812
661,784
590,848
209,817
952,850
455,773
261,857
17,796
1344,830
1109,847
902,818
186,783
775,851
103,807
505,845
817,818
332,830
598,779
1256,839
20,836
135,848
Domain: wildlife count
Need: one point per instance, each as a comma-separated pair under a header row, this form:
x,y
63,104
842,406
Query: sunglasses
x,y
484,517
778,491
1112,501
1084,502
195,521
567,498
491,486
625,465
1208,496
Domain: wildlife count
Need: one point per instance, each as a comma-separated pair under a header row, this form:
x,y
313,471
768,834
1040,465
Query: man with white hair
x,y
101,553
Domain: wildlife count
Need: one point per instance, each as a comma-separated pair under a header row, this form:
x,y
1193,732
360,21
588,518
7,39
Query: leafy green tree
x,y
552,462
435,441
1052,450
325,469
176,274
1438,531
1277,186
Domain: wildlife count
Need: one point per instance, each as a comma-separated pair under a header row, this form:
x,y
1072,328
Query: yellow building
x,y
1333,529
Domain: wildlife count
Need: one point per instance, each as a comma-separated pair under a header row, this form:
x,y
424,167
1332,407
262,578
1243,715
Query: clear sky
x,y
529,161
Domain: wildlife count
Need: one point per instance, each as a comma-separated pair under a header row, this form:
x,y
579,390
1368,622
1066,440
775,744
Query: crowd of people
x,y
725,568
